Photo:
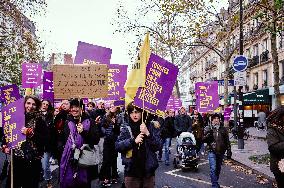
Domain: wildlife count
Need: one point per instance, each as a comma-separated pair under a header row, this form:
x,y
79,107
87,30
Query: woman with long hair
x,y
27,157
275,140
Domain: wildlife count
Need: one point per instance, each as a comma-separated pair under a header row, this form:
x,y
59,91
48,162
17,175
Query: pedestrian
x,y
50,147
182,123
90,108
108,173
217,138
261,120
79,129
137,144
167,133
275,140
197,130
59,122
27,157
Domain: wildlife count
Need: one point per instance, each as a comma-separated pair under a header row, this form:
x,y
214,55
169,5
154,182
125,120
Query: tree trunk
x,y
226,78
173,62
274,54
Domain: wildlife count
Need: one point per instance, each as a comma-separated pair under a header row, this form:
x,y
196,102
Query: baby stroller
x,y
186,157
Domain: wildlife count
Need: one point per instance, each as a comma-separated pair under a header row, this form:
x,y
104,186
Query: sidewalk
x,y
255,145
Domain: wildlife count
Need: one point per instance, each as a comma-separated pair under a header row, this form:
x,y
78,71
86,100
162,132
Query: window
x,y
264,45
265,77
255,50
255,79
248,53
281,40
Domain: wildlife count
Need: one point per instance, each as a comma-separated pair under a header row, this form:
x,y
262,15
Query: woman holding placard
x,y
27,157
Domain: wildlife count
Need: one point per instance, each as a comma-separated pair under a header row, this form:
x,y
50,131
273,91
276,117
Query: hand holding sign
x,y
139,138
144,130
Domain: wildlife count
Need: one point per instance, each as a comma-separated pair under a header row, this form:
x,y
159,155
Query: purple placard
x,y
31,75
117,75
93,54
227,113
207,99
9,94
119,103
48,92
13,120
161,76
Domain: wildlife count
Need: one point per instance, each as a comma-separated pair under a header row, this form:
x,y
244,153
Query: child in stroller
x,y
186,157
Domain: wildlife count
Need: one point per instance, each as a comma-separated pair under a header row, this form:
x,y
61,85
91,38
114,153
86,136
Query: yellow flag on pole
x,y
137,75
29,91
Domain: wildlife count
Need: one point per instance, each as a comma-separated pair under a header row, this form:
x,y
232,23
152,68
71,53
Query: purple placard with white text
x,y
48,92
92,54
31,75
117,75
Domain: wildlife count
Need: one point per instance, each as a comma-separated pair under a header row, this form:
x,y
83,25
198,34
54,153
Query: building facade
x,y
204,64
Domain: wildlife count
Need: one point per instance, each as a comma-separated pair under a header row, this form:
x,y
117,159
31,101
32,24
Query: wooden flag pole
x,y
12,169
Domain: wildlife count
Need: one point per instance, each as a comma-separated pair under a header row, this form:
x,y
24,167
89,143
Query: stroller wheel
x,y
175,163
196,168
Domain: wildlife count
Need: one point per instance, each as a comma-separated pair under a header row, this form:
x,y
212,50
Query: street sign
x,y
240,63
221,82
240,78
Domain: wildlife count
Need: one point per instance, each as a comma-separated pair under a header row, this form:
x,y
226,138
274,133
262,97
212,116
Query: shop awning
x,y
257,97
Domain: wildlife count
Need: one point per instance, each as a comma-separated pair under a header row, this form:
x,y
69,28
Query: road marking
x,y
192,179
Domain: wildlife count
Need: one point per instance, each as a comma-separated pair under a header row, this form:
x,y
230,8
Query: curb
x,y
254,170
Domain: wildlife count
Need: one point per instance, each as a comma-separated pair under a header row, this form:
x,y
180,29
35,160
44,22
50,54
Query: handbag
x,y
86,156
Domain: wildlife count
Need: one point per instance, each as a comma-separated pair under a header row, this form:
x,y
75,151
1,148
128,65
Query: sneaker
x,y
114,181
106,183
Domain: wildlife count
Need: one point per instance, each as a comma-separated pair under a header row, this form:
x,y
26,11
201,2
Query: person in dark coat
x,y
217,138
111,128
167,133
183,122
59,122
138,144
80,127
27,157
50,147
197,129
275,140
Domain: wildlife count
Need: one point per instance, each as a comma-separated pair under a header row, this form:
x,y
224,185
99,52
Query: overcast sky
x,y
69,21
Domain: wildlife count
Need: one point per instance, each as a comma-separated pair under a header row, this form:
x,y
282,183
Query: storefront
x,y
271,92
254,102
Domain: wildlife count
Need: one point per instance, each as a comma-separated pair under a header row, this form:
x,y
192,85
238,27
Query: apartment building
x,y
205,64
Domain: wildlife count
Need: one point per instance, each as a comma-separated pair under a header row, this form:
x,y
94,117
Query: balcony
x,y
254,61
264,56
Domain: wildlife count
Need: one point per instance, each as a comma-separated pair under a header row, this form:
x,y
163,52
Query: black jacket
x,y
51,143
168,130
275,141
217,140
183,123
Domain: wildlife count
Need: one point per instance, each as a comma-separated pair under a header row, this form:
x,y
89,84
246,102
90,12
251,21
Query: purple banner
x,y
92,54
48,92
161,76
117,75
9,94
119,103
13,120
227,113
207,99
31,75
174,103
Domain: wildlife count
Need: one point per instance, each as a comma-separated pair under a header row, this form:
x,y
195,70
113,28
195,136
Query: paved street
x,y
232,175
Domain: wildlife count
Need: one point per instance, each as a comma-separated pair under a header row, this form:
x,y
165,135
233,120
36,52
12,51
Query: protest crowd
x,y
71,125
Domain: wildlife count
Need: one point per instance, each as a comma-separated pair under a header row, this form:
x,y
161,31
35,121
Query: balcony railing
x,y
264,56
254,61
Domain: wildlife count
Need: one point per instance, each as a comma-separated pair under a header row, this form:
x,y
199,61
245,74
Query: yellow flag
x,y
137,75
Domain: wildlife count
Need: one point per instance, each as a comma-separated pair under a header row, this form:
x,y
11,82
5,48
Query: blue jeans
x,y
46,166
215,162
167,150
